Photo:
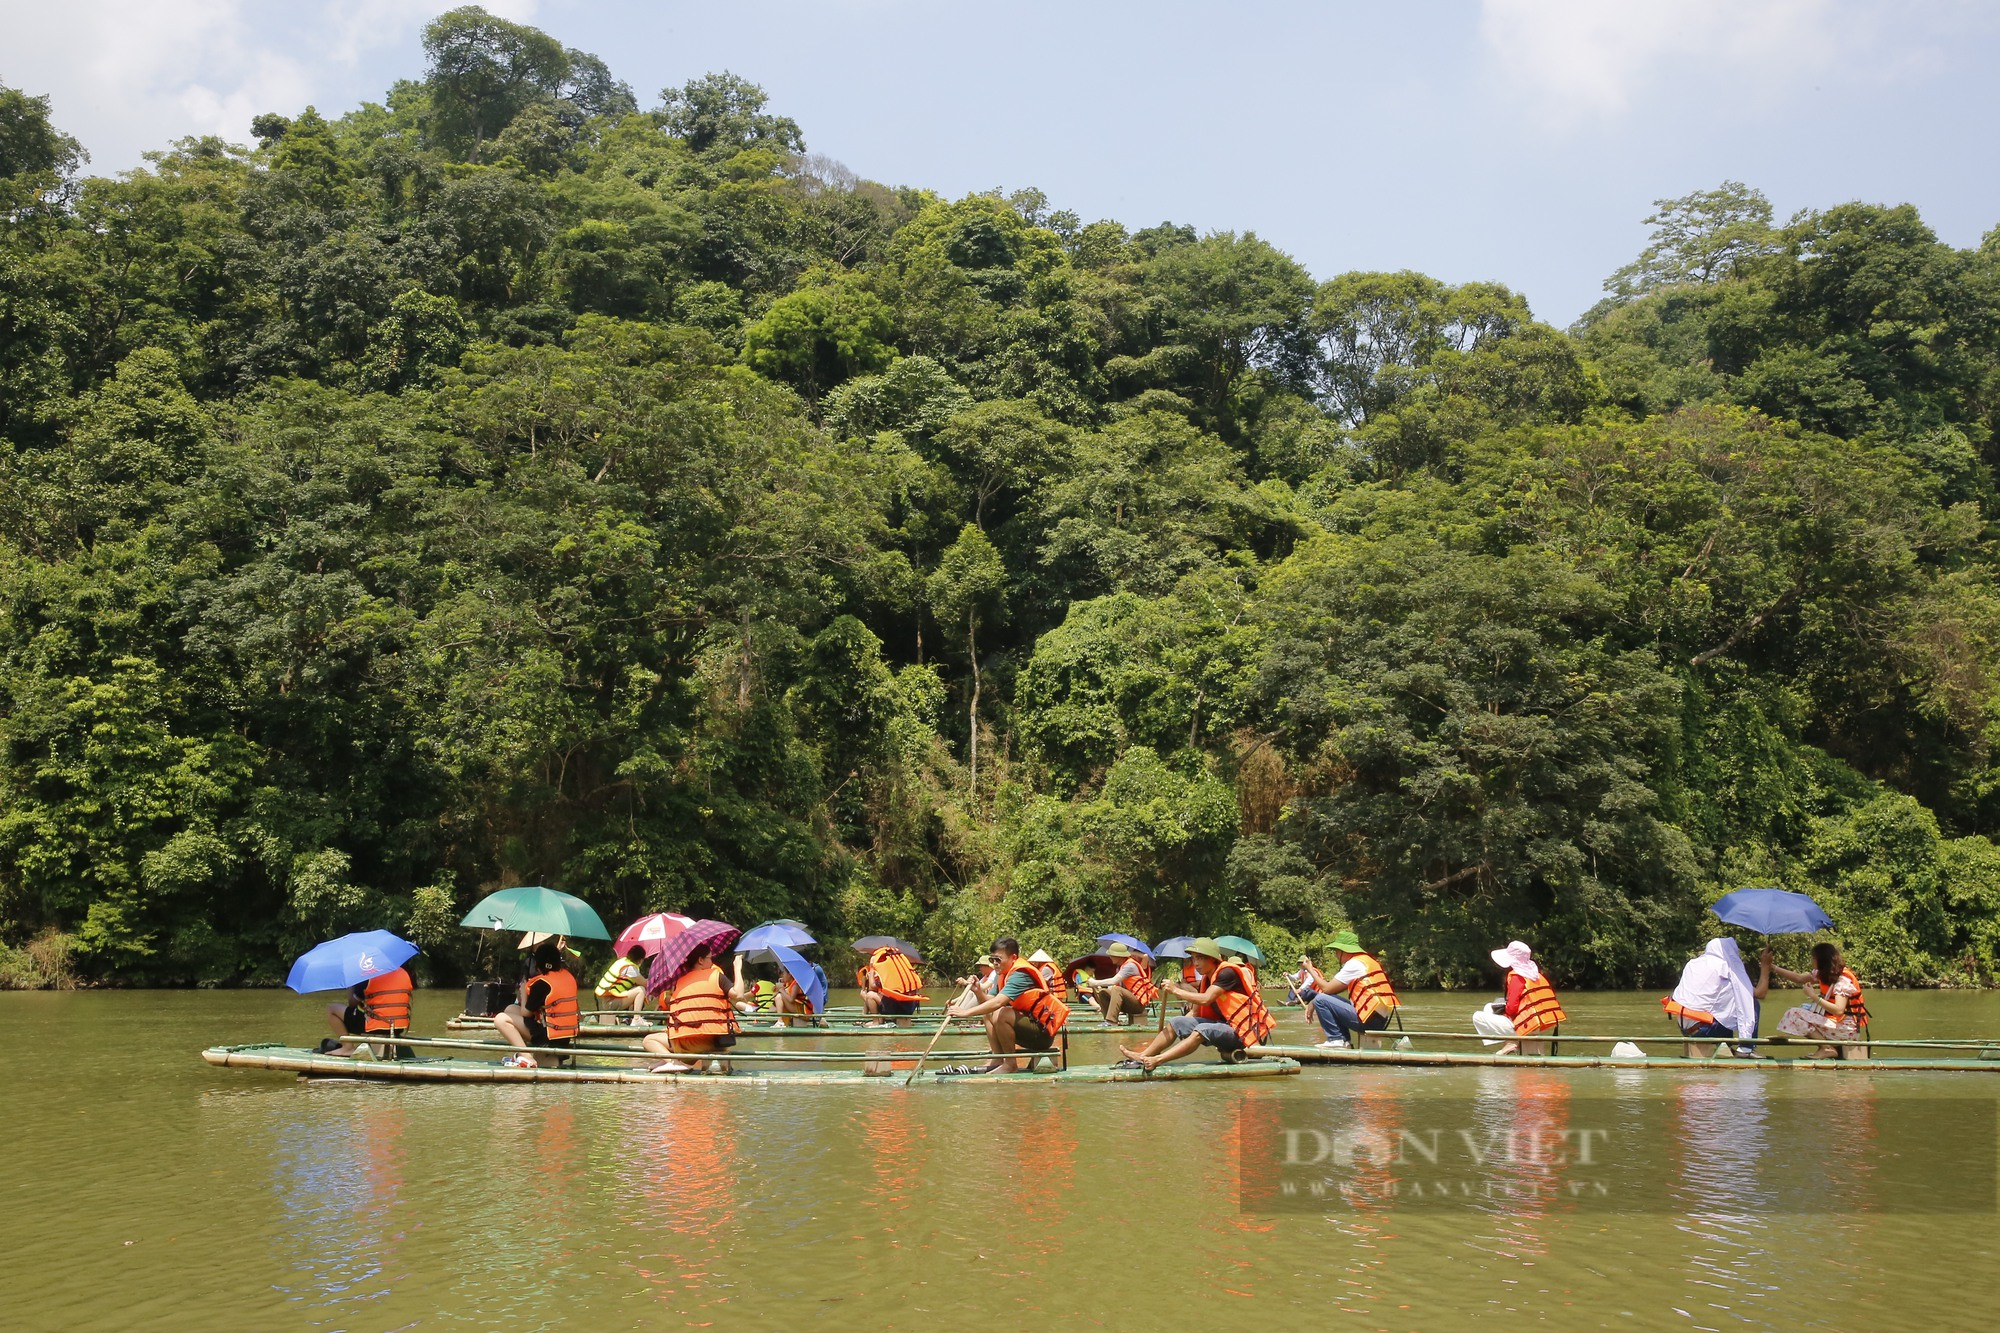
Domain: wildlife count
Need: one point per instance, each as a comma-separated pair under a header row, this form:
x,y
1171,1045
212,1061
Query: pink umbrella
x,y
672,959
650,932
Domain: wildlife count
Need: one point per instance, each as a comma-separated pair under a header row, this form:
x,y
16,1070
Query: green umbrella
x,y
1237,944
536,908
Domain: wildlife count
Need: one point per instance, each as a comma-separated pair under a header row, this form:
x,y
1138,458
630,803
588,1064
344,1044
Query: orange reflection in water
x,y
1043,1134
898,1156
1533,1172
689,1167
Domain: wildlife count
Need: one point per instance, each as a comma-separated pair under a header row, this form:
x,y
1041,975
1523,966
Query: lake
x,y
152,1191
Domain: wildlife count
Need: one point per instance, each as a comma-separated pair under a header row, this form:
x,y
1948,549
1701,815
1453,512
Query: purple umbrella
x,y
672,959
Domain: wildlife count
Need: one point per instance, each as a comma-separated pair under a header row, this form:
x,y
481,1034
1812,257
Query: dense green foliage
x,y
505,484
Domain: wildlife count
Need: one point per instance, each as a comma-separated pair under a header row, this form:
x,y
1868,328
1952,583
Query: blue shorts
x,y
1216,1033
898,1007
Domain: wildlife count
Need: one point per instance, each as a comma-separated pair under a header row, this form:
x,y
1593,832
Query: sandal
x,y
950,1070
1128,1064
672,1067
518,1062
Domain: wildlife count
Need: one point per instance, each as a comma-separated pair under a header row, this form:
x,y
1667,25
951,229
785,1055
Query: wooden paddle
x,y
918,1068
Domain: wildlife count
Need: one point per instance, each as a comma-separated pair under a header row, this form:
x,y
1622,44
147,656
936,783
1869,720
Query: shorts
x,y
1213,1031
539,1035
900,1008
1030,1035
354,1020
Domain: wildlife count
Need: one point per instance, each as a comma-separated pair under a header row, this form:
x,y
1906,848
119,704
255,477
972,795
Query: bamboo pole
x,y
934,1036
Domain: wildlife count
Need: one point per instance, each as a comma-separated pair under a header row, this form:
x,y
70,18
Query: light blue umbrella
x,y
533,907
788,933
1128,941
1173,948
1772,912
809,978
349,961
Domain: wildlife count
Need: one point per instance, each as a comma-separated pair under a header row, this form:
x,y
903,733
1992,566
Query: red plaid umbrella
x,y
672,959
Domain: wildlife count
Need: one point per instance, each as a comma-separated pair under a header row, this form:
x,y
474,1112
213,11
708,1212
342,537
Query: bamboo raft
x,y
891,1067
1939,1055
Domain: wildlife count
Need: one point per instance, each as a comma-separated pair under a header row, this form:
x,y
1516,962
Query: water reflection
x,y
338,1176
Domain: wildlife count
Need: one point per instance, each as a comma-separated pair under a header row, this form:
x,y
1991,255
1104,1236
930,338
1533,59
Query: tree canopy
x,y
506,483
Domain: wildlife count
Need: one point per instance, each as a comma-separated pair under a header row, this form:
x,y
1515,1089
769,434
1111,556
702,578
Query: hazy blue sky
x,y
1514,140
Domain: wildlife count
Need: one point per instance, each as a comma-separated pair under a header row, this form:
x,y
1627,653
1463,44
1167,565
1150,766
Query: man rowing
x,y
1125,995
1228,1012
1021,1012
1357,998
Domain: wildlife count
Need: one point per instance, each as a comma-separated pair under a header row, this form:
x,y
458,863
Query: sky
x,y
1515,141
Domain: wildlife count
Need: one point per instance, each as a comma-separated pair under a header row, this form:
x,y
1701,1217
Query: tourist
x,y
1357,998
546,1012
623,985
1227,1012
379,1004
1021,1012
1834,1010
891,988
1125,995
701,1014
1715,1000
1530,1005
793,1005
1051,973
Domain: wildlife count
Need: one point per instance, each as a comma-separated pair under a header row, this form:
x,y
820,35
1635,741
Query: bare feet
x,y
1511,1048
1146,1062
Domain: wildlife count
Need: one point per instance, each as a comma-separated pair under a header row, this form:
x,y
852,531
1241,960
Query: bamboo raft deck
x,y
1943,1055
312,1065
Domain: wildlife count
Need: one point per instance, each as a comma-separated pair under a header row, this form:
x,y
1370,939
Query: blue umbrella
x,y
809,978
1772,912
348,961
1173,948
1127,941
788,933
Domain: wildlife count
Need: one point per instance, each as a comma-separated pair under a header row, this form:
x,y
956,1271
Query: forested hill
x,y
508,484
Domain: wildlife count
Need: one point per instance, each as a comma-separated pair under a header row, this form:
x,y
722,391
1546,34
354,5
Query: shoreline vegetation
x,y
508,483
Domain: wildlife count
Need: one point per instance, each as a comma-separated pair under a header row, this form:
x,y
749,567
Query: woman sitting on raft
x,y
1834,1009
1715,999
546,1014
1530,1005
1228,1013
701,1016
891,988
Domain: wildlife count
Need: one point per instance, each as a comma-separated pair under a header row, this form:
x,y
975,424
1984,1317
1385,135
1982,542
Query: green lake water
x,y
150,1191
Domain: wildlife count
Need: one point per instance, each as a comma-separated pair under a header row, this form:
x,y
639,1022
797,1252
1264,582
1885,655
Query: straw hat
x,y
1040,956
1206,947
1118,951
1517,957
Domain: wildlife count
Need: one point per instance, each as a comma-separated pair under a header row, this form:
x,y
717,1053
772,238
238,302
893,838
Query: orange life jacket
x,y
558,1013
1687,1017
1244,1010
1538,1009
1857,1008
1193,980
1052,977
1370,993
1141,987
895,975
700,1005
386,1001
1037,1002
